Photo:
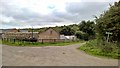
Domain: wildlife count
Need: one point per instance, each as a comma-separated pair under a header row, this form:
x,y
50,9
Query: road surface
x,y
51,56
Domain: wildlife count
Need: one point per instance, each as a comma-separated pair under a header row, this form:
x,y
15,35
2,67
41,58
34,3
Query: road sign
x,y
108,33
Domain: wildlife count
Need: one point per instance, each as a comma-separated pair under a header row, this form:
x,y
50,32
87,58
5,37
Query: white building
x,y
72,37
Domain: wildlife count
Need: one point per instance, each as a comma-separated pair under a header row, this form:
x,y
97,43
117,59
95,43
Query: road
x,y
51,56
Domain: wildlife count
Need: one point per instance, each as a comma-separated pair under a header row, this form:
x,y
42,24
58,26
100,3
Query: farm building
x,y
48,35
72,37
20,35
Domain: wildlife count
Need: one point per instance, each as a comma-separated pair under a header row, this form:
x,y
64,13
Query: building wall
x,y
19,35
48,36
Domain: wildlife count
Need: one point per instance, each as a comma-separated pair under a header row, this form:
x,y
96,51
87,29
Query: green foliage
x,y
81,35
0,41
91,47
75,27
67,31
88,27
109,21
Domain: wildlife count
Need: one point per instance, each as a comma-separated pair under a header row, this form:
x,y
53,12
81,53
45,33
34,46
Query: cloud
x,y
86,10
27,13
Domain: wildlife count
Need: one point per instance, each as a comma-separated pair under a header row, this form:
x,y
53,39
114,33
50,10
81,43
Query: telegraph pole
x,y
32,32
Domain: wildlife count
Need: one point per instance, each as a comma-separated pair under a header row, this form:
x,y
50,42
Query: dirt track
x,y
51,56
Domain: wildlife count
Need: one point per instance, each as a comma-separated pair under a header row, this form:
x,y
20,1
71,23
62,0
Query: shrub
x,y
108,49
82,35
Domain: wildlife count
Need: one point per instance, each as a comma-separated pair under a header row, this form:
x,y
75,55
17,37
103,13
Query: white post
x,y
108,33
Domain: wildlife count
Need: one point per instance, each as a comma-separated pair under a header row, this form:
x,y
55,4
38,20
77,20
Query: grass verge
x,y
0,41
19,43
92,48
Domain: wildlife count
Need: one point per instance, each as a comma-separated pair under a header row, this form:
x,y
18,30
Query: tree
x,y
75,27
81,35
66,30
109,21
88,28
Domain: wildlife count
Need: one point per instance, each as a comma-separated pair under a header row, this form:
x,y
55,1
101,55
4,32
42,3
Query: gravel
x,y
51,56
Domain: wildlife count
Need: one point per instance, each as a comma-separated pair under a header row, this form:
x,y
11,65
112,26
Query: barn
x,y
49,35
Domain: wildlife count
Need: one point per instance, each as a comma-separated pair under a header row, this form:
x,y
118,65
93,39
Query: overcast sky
x,y
47,13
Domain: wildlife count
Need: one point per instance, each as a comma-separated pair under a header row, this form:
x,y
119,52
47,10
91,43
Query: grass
x,y
0,41
92,48
18,43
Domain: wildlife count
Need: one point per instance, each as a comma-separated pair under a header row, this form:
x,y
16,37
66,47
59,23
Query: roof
x,y
67,37
62,37
23,30
47,29
4,30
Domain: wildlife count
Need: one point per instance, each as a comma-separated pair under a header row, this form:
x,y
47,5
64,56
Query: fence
x,y
51,40
34,40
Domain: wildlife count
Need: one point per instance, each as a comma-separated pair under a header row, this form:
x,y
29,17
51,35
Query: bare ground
x,y
51,56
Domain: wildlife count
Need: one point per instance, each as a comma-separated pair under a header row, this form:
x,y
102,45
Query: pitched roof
x,y
47,29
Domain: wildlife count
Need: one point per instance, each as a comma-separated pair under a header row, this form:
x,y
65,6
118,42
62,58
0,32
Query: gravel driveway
x,y
51,56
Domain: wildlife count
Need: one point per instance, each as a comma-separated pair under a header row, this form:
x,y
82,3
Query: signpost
x,y
108,33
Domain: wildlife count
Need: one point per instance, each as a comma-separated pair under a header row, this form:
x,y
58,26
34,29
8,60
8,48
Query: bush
x,y
82,35
108,49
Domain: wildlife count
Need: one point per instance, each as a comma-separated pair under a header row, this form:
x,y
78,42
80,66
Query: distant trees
x,y
86,30
66,30
87,27
81,35
74,27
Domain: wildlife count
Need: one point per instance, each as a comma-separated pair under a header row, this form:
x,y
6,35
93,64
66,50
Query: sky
x,y
49,13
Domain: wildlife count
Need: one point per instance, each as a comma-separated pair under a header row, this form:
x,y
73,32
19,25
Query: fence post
x,y
7,39
14,40
2,39
54,40
42,41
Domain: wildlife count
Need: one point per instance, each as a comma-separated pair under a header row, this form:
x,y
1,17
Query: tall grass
x,y
107,49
